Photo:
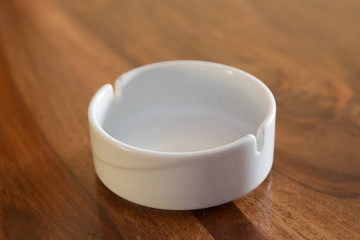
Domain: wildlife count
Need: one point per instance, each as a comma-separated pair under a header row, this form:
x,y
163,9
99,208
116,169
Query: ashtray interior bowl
x,y
183,134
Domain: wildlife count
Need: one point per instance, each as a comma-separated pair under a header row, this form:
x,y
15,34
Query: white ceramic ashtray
x,y
183,134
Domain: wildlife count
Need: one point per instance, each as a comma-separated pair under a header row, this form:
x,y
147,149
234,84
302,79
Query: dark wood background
x,y
54,55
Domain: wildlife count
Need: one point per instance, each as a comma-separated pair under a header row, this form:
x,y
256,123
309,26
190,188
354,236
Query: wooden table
x,y
54,55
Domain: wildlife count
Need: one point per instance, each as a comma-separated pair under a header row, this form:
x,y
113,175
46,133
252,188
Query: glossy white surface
x,y
183,134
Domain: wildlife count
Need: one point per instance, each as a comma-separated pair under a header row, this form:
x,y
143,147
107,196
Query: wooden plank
x,y
55,54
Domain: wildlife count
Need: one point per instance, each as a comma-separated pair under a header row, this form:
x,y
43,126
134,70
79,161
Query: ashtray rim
x,y
123,78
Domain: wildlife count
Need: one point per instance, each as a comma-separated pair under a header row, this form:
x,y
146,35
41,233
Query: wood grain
x,y
54,54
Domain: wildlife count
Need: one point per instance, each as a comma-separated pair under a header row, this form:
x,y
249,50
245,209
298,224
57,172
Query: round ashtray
x,y
183,134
